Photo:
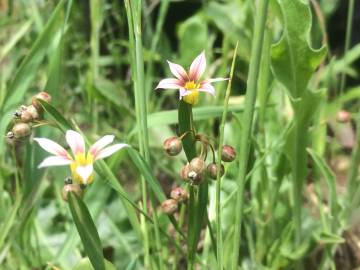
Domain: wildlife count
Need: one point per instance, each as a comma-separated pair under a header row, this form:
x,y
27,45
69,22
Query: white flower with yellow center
x,y
188,83
81,163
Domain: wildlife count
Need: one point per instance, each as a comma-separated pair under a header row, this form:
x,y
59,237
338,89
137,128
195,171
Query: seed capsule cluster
x,y
196,170
25,117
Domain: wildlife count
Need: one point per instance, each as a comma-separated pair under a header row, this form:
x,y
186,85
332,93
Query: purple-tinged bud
x,y
228,153
21,130
179,194
41,95
343,116
75,188
212,170
172,146
169,206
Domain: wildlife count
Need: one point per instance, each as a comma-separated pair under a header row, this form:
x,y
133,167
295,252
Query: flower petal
x,y
101,143
207,87
169,83
215,80
51,147
108,151
85,172
183,92
75,141
54,161
178,71
197,67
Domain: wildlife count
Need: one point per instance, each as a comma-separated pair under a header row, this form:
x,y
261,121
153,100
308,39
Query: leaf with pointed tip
x,y
293,59
87,231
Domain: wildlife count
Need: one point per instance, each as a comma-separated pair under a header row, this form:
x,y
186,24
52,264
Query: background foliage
x,y
301,194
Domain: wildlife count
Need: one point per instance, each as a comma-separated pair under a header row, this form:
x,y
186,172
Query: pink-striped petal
x,y
170,83
108,151
178,71
85,172
75,141
101,143
207,87
197,67
215,80
51,147
54,161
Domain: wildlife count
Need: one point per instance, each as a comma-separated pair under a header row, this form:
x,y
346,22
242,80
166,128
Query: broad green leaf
x,y
87,231
293,59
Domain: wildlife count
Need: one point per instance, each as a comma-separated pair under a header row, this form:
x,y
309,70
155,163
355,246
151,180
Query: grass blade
x,y
87,231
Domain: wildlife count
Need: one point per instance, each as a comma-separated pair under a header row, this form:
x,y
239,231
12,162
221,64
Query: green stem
x,y
219,241
137,63
198,195
353,171
247,122
350,16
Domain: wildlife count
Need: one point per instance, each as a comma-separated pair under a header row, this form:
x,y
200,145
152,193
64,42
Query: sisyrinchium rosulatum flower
x,y
189,83
80,162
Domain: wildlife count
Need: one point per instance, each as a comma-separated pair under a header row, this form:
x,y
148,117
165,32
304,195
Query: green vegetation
x,y
262,175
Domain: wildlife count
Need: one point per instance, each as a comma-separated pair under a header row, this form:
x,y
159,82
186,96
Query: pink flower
x,y
189,83
81,164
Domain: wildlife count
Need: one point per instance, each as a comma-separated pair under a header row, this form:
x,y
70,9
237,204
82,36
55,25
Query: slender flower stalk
x,y
250,99
80,162
189,83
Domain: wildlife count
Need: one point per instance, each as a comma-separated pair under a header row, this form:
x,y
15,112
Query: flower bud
x,y
196,171
212,170
343,116
172,146
21,130
179,194
184,172
228,153
10,138
41,95
169,206
197,165
26,116
75,188
33,111
195,178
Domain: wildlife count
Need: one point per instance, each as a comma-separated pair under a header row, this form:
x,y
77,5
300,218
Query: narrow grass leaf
x,y
87,231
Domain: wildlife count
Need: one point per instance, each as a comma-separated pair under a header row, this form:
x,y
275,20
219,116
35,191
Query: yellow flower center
x,y
192,98
81,160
